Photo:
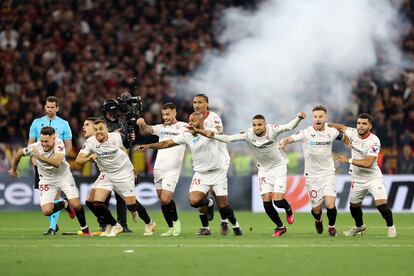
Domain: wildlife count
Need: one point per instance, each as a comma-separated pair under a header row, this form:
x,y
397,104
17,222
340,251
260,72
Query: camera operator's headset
x,y
108,105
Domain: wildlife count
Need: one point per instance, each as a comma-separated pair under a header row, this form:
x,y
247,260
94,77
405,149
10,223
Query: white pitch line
x,y
212,245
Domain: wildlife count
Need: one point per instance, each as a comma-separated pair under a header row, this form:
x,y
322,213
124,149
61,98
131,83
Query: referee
x,y
63,131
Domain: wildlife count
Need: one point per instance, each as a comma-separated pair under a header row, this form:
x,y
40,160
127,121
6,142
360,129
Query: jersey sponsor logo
x,y
60,148
265,145
195,139
322,143
168,133
106,153
357,150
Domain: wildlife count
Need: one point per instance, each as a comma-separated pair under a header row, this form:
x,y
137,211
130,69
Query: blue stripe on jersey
x,y
61,127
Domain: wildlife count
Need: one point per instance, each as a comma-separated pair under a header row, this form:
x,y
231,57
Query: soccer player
x,y
319,171
210,164
366,175
117,174
64,133
168,164
54,176
114,123
271,161
211,122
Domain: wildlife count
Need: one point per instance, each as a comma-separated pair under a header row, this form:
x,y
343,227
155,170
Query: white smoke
x,y
290,55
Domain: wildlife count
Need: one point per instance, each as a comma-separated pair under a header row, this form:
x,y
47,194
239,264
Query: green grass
x,y
24,251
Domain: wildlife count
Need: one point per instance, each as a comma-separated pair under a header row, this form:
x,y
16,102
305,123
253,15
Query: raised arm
x,y
144,128
339,127
160,145
292,124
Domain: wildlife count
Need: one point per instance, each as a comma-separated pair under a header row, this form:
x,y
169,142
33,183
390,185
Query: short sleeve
x,y
335,133
67,133
33,130
86,148
217,125
28,150
60,148
157,129
374,149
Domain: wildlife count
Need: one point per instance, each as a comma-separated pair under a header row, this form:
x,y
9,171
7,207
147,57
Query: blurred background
x,y
249,56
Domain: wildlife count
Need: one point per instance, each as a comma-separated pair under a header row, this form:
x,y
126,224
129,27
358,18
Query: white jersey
x,y
207,153
361,148
49,173
112,160
317,148
171,158
266,147
213,122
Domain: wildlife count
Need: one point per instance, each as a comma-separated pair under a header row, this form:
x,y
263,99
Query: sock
x,y
121,210
203,202
58,205
272,213
142,213
104,212
356,213
228,213
172,209
92,208
80,215
167,216
285,205
204,220
386,214
49,218
223,218
331,214
316,216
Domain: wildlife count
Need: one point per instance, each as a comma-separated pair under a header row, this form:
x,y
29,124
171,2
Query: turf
x,y
24,251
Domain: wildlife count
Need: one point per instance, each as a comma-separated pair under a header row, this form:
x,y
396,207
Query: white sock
x,y
236,225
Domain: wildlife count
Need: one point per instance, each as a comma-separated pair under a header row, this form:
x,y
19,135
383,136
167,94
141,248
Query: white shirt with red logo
x,y
112,160
47,172
213,122
361,148
170,159
207,153
317,149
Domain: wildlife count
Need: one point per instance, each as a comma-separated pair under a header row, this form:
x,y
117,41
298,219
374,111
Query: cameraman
x,y
109,112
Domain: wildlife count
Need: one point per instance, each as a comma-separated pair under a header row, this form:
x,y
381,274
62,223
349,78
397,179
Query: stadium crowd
x,y
84,52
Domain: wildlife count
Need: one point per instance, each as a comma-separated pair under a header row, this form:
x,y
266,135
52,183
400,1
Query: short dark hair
x,y
47,130
365,116
99,121
204,96
53,99
319,107
92,119
258,117
168,106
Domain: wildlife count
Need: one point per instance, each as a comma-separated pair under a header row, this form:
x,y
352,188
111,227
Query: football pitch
x,y
24,251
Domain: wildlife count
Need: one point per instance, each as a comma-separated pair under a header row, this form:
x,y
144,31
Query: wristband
x,y
350,161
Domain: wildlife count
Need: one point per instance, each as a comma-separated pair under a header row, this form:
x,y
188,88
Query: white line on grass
x,y
210,245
